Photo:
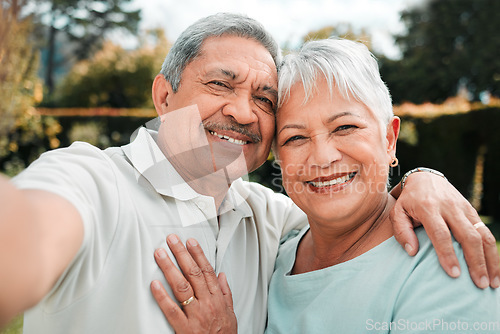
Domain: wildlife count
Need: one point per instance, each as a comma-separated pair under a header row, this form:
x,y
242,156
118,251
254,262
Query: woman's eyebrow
x,y
291,126
329,120
342,114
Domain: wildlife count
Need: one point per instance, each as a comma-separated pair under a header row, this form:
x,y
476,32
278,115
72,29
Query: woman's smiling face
x,y
334,153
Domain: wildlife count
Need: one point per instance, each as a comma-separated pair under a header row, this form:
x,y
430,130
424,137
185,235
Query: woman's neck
x,y
326,245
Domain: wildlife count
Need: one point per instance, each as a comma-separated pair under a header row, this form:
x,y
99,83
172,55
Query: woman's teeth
x,y
229,139
333,181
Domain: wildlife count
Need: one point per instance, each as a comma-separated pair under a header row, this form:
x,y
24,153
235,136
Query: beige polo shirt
x,y
130,199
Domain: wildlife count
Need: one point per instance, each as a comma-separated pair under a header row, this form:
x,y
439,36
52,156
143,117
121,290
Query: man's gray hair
x,y
188,46
346,65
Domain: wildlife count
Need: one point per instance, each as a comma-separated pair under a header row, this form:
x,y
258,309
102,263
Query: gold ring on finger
x,y
188,301
478,225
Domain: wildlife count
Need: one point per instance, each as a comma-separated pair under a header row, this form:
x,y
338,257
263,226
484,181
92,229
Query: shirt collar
x,y
150,162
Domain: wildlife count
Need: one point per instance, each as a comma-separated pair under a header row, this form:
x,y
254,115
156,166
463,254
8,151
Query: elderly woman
x,y
344,273
336,138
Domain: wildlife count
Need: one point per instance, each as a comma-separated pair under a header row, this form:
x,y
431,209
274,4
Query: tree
x,y
22,132
448,44
344,30
115,77
85,23
16,64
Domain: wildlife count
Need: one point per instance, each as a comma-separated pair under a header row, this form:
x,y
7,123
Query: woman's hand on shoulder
x,y
430,200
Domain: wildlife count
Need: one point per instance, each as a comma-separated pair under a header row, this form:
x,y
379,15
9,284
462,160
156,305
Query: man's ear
x,y
161,91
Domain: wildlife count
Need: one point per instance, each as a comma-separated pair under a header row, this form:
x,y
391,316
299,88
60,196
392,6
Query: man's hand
x,y
207,303
430,200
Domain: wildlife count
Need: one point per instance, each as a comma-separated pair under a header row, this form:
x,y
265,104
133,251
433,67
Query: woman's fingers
x,y
192,275
491,254
440,236
206,268
432,201
207,306
226,290
404,230
170,309
178,283
478,244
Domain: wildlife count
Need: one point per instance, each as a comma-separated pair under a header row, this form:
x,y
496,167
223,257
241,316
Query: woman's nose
x,y
324,152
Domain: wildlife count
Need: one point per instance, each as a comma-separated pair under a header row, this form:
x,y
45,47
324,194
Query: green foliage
x,y
23,134
86,22
269,175
451,144
449,44
115,77
84,25
17,67
344,30
101,131
15,326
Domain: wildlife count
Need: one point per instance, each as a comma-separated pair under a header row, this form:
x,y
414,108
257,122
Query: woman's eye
x,y
345,127
293,139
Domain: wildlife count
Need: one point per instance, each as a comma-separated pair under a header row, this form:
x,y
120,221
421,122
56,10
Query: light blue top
x,y
381,291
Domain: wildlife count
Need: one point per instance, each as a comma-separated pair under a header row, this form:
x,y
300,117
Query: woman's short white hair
x,y
347,66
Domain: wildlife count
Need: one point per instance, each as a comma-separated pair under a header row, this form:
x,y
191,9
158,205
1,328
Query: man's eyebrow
x,y
271,90
228,73
224,72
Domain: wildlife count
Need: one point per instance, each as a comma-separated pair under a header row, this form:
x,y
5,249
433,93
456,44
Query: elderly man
x,y
80,225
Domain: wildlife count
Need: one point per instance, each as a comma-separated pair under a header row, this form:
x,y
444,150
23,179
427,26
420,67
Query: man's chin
x,y
235,171
230,159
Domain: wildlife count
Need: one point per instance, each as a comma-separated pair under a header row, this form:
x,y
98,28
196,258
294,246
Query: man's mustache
x,y
235,127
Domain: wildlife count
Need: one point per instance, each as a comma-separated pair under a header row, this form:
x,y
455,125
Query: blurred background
x,y
82,70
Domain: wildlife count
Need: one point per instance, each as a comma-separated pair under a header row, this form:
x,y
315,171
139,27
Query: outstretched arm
x,y
430,200
39,235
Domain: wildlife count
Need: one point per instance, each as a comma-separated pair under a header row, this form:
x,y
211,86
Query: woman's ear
x,y
392,136
161,91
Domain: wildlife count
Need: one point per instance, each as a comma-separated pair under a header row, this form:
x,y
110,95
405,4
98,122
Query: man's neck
x,y
216,190
215,184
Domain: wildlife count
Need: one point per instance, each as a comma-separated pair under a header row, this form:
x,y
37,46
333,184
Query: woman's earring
x,y
394,162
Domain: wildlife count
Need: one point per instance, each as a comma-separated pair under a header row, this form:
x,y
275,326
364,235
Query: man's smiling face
x,y
233,84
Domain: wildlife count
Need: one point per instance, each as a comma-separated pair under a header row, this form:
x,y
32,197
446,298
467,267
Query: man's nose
x,y
241,108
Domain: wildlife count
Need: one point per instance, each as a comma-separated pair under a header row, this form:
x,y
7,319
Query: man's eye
x,y
265,100
265,104
219,83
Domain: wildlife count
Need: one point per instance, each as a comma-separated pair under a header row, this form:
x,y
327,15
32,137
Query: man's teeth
x,y
229,139
333,182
